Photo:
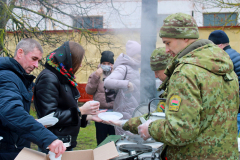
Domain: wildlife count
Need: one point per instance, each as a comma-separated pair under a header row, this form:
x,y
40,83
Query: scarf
x,y
61,60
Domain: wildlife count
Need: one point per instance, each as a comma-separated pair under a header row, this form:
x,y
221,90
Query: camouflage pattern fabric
x,y
179,25
159,59
204,99
133,123
205,124
162,105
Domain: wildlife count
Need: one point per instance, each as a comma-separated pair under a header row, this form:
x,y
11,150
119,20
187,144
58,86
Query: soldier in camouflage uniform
x,y
158,62
202,99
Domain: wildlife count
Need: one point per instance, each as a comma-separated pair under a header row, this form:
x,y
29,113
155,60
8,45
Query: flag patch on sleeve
x,y
175,102
161,107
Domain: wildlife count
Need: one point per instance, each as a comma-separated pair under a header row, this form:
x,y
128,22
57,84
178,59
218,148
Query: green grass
x,y
86,137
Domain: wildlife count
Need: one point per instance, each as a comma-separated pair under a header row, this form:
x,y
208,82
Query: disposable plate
x,y
106,116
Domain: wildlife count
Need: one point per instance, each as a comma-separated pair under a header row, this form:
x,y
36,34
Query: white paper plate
x,y
49,121
107,116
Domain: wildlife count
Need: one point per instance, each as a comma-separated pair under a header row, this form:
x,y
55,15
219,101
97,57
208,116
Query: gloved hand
x,y
130,87
143,130
116,123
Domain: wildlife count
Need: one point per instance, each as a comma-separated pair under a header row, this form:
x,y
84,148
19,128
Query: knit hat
x,y
133,48
179,25
160,59
107,56
218,37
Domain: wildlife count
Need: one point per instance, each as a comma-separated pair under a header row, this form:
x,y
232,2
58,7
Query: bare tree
x,y
34,19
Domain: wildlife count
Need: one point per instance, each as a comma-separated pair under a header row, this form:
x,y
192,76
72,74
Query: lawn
x,y
86,137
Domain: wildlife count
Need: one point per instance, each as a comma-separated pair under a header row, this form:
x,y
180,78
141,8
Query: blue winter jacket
x,y
235,57
17,127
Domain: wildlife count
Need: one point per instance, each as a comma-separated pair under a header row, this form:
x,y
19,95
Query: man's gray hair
x,y
28,45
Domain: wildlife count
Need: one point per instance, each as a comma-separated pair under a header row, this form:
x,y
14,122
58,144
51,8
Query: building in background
x,y
117,21
118,14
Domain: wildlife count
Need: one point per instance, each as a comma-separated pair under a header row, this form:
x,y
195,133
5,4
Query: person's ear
x,y
20,53
186,40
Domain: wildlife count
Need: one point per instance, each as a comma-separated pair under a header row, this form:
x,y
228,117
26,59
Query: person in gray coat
x,y
125,79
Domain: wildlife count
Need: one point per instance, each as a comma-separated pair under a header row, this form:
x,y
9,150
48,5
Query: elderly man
x,y
158,62
202,97
17,127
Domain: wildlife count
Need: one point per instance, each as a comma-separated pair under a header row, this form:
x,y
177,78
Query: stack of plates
x,y
48,120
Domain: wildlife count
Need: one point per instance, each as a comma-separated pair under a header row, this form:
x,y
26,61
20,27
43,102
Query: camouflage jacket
x,y
201,107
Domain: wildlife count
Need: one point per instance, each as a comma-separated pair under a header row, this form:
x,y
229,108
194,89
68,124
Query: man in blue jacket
x,y
221,39
17,127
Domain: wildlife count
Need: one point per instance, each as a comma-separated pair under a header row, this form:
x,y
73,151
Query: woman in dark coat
x,y
55,91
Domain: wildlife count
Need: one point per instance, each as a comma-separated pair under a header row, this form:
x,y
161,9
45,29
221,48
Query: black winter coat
x,y
54,93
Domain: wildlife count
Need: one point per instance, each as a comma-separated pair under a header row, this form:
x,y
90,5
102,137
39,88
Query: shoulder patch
x,y
161,107
174,103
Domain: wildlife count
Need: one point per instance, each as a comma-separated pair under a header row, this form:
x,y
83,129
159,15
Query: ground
x,y
86,137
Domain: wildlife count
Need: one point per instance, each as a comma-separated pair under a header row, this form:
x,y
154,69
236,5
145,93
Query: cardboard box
x,y
105,152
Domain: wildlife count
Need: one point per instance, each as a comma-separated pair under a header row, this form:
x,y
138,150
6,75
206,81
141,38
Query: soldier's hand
x,y
143,130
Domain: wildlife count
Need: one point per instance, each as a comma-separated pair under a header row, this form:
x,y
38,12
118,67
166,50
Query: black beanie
x,y
218,37
107,56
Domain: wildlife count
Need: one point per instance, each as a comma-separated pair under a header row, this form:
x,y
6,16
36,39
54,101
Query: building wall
x,y
118,14
118,39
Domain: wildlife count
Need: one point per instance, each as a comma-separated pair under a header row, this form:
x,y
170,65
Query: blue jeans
x,y
238,122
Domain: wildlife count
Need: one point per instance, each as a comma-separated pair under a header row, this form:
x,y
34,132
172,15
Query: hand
x,y
57,147
95,117
143,130
90,108
130,87
99,71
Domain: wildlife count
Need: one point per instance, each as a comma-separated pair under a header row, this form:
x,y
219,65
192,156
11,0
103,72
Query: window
x,y
220,19
88,22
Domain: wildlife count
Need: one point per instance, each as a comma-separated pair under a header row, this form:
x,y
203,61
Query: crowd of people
x,y
200,82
